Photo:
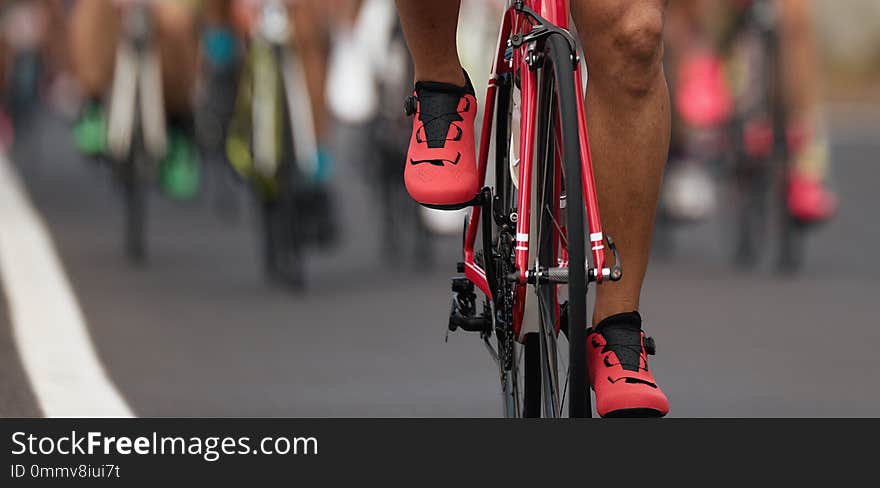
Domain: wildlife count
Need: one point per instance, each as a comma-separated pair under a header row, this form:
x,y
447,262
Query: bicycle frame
x,y
515,21
136,100
272,34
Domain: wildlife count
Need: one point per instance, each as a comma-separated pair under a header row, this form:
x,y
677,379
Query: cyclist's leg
x,y
689,193
178,44
799,61
218,12
93,33
4,56
441,168
311,20
94,29
6,131
808,199
219,35
628,116
178,51
683,19
311,41
430,30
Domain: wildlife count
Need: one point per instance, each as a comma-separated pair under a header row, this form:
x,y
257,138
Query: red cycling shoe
x,y
617,356
809,201
441,168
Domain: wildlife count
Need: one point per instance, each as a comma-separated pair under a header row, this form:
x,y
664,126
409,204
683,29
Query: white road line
x,y
48,326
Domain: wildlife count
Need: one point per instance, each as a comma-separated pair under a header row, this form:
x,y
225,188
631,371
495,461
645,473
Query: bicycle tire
x,y
558,64
277,194
135,200
541,392
292,265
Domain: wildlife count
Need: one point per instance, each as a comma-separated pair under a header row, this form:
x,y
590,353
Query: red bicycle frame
x,y
556,12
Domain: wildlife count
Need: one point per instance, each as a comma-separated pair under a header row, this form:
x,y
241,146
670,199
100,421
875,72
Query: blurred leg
x,y
178,50
4,60
343,12
808,198
628,116
57,48
218,12
430,30
94,30
801,75
801,81
683,18
312,42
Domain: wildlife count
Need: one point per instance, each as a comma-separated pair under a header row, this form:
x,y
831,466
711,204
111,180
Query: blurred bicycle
x,y
272,142
135,62
370,47
136,131
24,25
748,136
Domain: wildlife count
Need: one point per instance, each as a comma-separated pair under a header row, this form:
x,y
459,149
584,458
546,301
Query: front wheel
x,y
791,238
561,228
549,367
135,204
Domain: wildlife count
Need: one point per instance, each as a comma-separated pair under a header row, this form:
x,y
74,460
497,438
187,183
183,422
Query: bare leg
x,y
312,42
218,12
430,29
799,63
178,50
4,56
94,35
683,18
801,81
628,117
94,30
627,111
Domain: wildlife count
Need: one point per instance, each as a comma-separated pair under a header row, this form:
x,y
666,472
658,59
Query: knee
x,y
639,36
176,21
634,60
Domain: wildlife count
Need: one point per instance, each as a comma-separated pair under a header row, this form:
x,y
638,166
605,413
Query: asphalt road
x,y
199,332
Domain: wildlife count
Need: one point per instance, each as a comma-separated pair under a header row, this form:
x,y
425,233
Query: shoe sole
x,y
453,206
634,413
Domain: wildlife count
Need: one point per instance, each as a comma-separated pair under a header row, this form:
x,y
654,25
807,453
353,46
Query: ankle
x,y
442,74
607,314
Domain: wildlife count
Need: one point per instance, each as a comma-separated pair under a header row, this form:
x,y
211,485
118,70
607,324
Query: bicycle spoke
x,y
564,393
558,228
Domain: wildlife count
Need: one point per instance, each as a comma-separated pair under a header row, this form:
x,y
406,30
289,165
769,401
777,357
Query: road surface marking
x,y
48,326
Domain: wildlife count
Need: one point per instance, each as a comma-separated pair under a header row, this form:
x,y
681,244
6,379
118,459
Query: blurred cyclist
x,y
628,114
95,30
311,20
808,199
31,56
708,23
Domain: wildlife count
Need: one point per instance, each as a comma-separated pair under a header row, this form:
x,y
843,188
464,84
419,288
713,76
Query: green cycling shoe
x,y
90,130
180,169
